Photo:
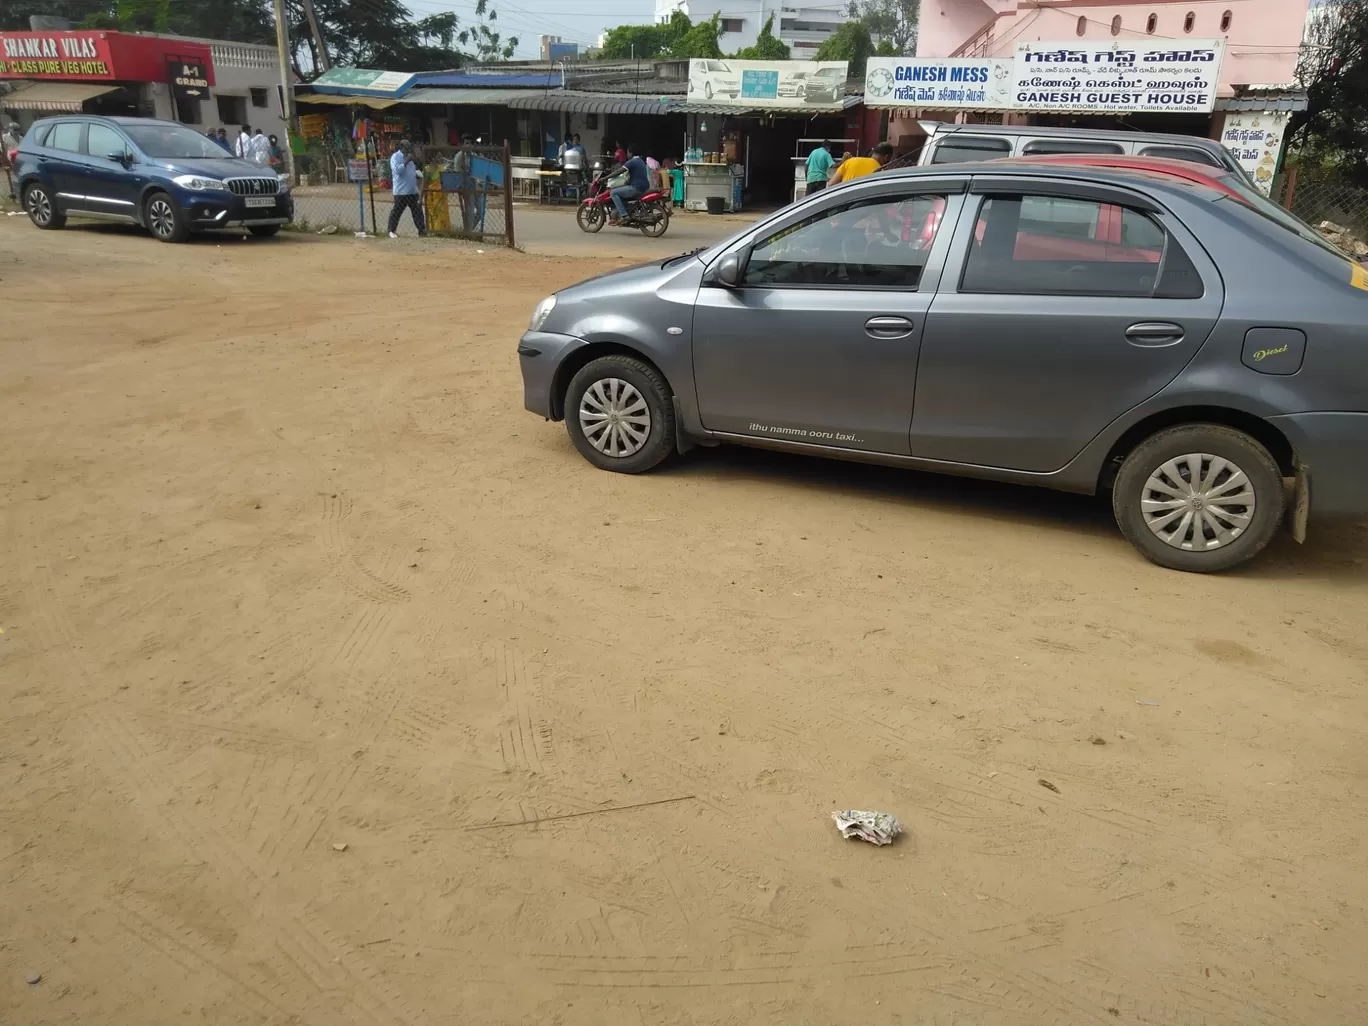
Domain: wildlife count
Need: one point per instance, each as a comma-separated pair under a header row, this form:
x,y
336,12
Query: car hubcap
x,y
163,218
40,207
1198,502
614,417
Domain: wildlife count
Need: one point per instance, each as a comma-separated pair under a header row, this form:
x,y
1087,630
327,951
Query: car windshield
x,y
171,142
829,73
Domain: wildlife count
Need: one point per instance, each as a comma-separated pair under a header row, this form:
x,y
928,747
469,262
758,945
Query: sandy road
x,y
284,567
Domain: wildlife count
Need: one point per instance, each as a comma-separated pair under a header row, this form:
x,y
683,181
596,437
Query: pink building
x,y
1262,36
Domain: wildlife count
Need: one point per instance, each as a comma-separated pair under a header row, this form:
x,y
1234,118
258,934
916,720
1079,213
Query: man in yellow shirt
x,y
857,167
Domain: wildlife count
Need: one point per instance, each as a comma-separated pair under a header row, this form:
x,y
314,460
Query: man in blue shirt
x,y
404,182
819,167
638,183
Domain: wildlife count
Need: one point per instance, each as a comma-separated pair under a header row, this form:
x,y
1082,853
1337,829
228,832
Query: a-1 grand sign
x,y
67,55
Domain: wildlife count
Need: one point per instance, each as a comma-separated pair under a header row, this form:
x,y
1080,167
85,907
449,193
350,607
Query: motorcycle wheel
x,y
590,217
655,220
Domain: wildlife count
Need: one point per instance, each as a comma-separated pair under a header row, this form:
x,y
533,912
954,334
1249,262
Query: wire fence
x,y
1326,198
464,195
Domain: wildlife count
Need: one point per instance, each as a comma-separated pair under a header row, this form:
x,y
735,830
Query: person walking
x,y
818,167
638,183
222,140
276,156
404,183
243,149
858,167
259,149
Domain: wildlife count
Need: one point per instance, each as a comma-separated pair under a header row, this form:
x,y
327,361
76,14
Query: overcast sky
x,y
528,19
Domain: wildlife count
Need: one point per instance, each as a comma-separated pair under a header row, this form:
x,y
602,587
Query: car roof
x,y
1150,179
118,119
1155,138
1218,178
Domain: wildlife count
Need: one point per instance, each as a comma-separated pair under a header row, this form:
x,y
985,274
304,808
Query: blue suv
x,y
160,174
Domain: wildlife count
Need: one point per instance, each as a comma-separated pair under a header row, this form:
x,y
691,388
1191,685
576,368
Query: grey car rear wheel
x,y
1199,497
620,414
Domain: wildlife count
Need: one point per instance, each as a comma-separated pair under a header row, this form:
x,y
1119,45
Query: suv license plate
x,y
261,201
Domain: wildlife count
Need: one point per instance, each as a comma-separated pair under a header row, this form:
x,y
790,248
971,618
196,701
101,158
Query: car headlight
x,y
541,313
198,184
284,183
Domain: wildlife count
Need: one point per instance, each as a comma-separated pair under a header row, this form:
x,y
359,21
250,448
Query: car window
x,y
65,135
1047,245
960,148
883,242
39,135
1041,146
103,140
1189,153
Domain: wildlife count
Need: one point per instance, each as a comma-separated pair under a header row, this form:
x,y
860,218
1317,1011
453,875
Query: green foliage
x,y
766,48
893,21
699,41
488,44
645,41
1334,127
851,43
248,21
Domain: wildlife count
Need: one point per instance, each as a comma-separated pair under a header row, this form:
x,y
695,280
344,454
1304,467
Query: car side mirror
x,y
119,157
730,269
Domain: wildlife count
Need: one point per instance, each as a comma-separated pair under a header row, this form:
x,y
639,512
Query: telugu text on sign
x,y
1157,78
943,83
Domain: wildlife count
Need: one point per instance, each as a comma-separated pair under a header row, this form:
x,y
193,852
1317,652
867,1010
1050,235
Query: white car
x,y
718,79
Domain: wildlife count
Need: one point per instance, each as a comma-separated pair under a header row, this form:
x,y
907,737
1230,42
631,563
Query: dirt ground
x,y
337,689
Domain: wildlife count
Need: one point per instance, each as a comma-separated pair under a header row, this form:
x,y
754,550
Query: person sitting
x,y
638,184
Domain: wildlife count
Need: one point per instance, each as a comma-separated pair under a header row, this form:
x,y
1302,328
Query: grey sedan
x,y
1156,339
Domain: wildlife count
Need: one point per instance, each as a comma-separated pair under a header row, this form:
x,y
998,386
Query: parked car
x,y
718,80
955,144
168,178
826,86
792,84
1100,330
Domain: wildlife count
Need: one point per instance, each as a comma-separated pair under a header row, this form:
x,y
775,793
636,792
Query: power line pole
x,y
318,36
286,86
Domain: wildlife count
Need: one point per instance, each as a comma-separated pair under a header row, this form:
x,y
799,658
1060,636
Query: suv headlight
x,y
284,183
198,184
541,313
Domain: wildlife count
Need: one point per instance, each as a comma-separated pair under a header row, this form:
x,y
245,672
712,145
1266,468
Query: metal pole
x,y
508,195
370,181
318,36
286,86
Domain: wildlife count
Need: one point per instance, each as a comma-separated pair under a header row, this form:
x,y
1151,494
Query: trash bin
x,y
716,205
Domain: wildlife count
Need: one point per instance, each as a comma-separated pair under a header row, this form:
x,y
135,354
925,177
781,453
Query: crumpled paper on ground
x,y
874,827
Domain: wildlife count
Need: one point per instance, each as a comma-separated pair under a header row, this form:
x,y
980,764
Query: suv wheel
x,y
1199,497
164,219
264,231
620,414
42,208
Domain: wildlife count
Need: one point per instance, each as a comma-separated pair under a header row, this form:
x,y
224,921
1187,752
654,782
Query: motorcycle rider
x,y
638,183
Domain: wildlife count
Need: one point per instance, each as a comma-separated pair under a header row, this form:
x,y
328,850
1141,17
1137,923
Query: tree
x,y
645,41
488,44
766,48
1334,65
893,21
850,43
699,41
248,21
383,34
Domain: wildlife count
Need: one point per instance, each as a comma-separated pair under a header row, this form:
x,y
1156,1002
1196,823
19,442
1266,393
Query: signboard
x,y
944,83
772,85
361,80
358,170
189,84
1167,77
64,55
1256,141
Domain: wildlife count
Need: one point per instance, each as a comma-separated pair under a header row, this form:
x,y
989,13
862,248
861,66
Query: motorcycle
x,y
650,212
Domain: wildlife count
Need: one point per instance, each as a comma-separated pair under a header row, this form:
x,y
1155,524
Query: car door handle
x,y
1154,334
888,327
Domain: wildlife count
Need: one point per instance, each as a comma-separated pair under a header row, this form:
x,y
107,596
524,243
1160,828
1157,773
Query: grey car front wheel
x,y
619,412
42,208
1199,497
164,219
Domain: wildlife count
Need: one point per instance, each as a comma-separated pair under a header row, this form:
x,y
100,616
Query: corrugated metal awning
x,y
708,107
67,96
1262,103
373,102
590,103
465,97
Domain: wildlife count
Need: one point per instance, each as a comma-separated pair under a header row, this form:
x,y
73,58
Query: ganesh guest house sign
x,y
942,83
55,55
1166,78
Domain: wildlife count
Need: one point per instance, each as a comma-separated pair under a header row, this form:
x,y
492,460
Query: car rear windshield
x,y
960,148
1042,146
171,142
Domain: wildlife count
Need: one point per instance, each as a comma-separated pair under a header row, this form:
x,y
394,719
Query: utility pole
x,y
286,86
318,36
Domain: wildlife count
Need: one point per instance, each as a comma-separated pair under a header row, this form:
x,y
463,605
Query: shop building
x,y
203,83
